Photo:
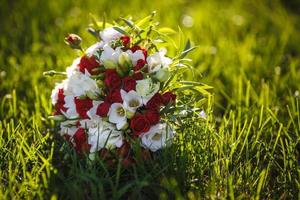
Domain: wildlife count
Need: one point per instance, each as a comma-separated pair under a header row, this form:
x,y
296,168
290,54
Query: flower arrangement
x,y
124,90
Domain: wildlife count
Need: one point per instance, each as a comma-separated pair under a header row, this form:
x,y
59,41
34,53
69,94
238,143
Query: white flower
x,y
146,89
104,135
110,56
79,84
68,128
71,112
117,115
157,137
92,112
158,61
131,101
109,34
137,55
92,49
70,70
54,94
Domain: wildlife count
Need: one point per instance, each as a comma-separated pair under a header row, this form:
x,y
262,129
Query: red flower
x,y
82,106
80,140
88,63
138,76
135,48
155,102
124,150
168,97
114,96
139,124
103,109
125,40
129,84
112,79
139,65
152,116
60,104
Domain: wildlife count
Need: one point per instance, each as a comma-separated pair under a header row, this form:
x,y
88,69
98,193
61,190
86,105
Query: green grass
x,y
248,149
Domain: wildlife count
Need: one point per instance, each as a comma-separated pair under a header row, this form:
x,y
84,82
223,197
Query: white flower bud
x,y
162,75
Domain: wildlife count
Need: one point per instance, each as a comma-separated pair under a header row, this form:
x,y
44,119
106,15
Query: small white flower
x,y
117,115
79,84
203,114
159,136
110,56
92,112
54,94
131,100
71,69
109,34
158,61
146,89
71,112
92,49
104,135
137,55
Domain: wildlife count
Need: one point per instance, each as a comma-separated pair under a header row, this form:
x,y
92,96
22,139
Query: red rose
x,y
139,124
135,48
103,109
138,76
88,63
114,96
168,97
152,116
125,40
80,140
129,84
112,79
60,104
82,106
155,102
139,65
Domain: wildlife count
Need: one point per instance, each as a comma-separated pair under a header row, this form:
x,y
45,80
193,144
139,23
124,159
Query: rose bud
x,y
73,41
162,75
125,40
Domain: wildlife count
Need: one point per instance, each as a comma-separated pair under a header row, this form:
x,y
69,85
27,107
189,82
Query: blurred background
x,y
240,42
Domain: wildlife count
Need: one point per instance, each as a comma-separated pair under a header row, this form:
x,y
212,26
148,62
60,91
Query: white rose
x,y
68,128
146,89
159,136
104,135
79,84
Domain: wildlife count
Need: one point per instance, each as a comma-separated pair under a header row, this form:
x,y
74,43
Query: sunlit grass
x,y
249,147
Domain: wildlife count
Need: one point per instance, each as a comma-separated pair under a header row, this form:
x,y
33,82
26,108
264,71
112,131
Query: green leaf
x,y
120,30
167,31
128,22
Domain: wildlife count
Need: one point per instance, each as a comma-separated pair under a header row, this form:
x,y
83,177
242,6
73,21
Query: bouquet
x,y
123,91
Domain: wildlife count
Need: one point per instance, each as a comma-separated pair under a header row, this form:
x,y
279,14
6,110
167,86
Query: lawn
x,y
247,148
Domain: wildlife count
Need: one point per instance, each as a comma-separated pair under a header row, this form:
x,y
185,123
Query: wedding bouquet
x,y
124,90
